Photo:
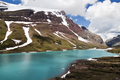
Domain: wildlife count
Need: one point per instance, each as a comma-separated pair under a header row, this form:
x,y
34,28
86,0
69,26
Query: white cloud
x,y
104,18
24,2
76,20
71,18
73,7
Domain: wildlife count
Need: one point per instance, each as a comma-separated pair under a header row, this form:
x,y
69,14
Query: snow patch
x,y
11,48
116,56
67,25
56,33
29,40
58,14
79,37
84,40
46,13
8,32
16,41
57,43
62,34
36,29
64,49
109,48
33,25
22,22
63,37
38,32
91,59
49,21
65,74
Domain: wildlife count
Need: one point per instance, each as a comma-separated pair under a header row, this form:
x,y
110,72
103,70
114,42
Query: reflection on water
x,y
26,63
43,65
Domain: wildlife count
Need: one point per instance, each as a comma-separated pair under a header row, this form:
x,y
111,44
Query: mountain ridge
x,y
114,42
44,30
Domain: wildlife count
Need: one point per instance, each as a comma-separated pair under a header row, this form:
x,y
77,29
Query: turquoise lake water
x,y
42,65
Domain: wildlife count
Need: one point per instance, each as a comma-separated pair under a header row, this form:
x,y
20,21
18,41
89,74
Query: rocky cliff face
x,y
114,42
91,36
45,30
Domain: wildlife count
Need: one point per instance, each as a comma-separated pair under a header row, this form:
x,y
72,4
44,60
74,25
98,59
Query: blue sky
x,y
13,1
80,20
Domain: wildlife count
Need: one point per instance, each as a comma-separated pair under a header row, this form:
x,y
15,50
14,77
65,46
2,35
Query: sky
x,y
99,16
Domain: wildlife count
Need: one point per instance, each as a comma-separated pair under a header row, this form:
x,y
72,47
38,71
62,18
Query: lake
x,y
42,65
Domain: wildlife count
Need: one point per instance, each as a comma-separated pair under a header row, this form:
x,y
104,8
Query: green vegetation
x,y
18,32
8,43
115,50
106,68
3,30
40,43
48,41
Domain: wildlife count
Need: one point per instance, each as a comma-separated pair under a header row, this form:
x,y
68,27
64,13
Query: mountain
x,y
28,30
3,6
114,42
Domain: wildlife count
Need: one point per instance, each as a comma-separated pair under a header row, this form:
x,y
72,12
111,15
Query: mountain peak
x,y
3,6
84,28
45,29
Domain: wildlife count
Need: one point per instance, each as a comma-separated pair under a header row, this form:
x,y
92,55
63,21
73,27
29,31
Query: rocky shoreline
x,y
105,68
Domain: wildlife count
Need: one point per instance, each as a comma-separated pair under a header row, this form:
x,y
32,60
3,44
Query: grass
x,y
46,41
3,29
41,43
17,33
8,43
115,50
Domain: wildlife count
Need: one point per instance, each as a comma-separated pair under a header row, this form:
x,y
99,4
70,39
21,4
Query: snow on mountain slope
x,y
8,32
16,41
26,29
57,33
42,29
57,13
38,32
63,35
12,7
67,25
62,16
29,40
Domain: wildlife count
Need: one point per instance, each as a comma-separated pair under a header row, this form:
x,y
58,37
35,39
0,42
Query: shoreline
x,y
69,68
73,65
10,52
35,51
89,59
66,70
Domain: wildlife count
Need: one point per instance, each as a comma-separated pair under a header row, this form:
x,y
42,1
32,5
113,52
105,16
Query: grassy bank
x,y
115,50
106,68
